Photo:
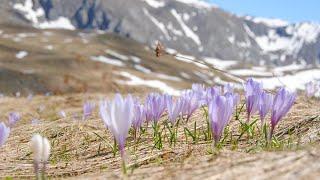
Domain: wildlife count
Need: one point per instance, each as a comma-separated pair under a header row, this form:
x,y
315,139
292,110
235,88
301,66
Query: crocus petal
x,y
174,108
220,113
45,149
118,116
40,148
311,89
36,147
265,105
4,133
282,103
88,108
253,90
13,118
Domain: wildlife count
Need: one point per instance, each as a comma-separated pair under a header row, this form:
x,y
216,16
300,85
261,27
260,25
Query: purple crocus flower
x,y
4,133
235,97
155,105
30,96
174,108
311,89
35,121
13,118
265,105
104,104
198,87
139,116
212,92
62,114
189,103
220,112
117,116
253,90
282,103
88,108
200,91
228,88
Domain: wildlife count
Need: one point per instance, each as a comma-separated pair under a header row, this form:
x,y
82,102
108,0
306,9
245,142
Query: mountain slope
x,y
191,26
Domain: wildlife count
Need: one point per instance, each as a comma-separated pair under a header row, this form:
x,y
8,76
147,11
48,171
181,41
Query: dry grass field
x,y
82,149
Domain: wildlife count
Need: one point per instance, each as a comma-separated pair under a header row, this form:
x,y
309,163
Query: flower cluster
x,y
258,100
121,114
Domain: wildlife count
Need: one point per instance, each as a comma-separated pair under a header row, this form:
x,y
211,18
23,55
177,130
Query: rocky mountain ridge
x,y
189,26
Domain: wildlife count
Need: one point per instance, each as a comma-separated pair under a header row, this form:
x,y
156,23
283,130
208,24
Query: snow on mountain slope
x,y
189,26
197,3
34,16
155,3
296,36
267,21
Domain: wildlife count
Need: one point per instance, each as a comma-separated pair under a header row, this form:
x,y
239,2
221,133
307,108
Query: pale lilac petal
x,y
265,105
282,103
220,113
4,133
88,108
118,117
13,118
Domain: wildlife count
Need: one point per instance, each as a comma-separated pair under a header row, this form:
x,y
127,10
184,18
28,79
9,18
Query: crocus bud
x,y
88,108
40,147
36,147
282,103
253,89
4,133
13,118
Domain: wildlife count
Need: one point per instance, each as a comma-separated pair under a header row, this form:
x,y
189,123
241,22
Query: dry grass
x,y
68,67
81,150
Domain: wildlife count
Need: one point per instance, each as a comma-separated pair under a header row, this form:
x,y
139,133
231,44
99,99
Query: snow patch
x,y
117,55
135,59
188,32
171,51
106,60
167,77
60,23
28,11
271,22
155,3
198,3
33,15
142,69
249,72
174,30
49,47
21,54
220,64
298,35
232,39
185,75
293,82
159,24
136,81
291,67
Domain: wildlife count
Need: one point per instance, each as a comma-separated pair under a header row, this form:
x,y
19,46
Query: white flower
x,y
40,147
